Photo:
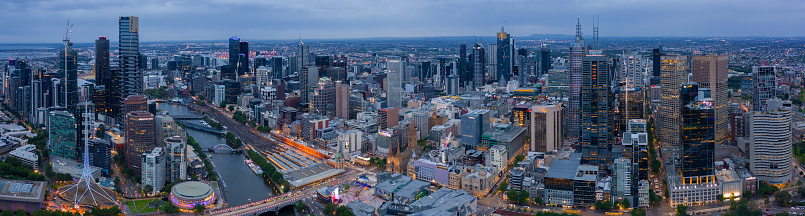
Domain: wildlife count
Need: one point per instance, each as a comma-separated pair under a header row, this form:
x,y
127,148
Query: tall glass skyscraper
x,y
596,110
698,132
505,52
69,66
131,76
577,51
765,86
62,135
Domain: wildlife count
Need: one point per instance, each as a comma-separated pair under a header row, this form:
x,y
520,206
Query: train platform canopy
x,y
307,175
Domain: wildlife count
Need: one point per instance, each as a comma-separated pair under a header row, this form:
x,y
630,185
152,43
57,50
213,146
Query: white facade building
x,y
220,94
154,169
622,178
771,143
497,157
350,142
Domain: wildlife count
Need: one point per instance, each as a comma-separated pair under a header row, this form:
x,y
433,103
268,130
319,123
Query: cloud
x,y
44,20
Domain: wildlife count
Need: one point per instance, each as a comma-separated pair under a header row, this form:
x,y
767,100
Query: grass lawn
x,y
141,206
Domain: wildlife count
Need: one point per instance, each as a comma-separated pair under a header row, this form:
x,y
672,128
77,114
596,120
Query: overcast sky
x,y
44,21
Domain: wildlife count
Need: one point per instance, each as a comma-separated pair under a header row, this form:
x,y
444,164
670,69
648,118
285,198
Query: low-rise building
x,y
478,180
22,195
497,157
27,155
689,193
748,180
643,200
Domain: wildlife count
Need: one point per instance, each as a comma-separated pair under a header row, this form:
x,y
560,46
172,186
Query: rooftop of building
x,y
504,132
727,175
359,208
22,190
564,168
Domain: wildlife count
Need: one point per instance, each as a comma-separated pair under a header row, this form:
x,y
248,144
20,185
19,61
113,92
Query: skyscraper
x,y
544,59
656,53
596,110
238,56
710,71
62,135
84,116
632,68
394,95
478,61
577,51
103,77
674,73
770,150
698,132
131,77
505,52
69,67
765,86
140,138
174,157
303,56
464,73
546,127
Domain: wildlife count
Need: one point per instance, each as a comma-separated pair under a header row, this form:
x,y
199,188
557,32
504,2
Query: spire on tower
x,y
579,38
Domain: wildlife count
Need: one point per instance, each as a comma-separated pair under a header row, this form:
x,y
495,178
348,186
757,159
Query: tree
x,y
681,210
329,209
523,197
720,198
169,208
503,186
148,188
607,205
538,200
782,198
512,196
198,209
231,109
113,211
784,213
638,212
748,194
626,204
599,205
99,132
343,211
518,158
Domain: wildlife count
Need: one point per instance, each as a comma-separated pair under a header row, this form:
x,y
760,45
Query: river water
x,y
241,183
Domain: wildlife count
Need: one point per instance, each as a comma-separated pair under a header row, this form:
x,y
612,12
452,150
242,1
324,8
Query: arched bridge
x,y
224,148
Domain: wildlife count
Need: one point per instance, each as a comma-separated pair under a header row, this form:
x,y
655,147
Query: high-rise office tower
x,y
303,56
698,133
674,73
103,76
308,77
465,75
656,53
322,101
710,71
131,77
478,61
389,117
238,56
473,125
140,138
394,95
69,66
85,118
577,51
631,105
492,63
770,150
596,111
765,86
546,127
505,52
62,135
135,103
322,63
341,99
523,71
632,68
544,59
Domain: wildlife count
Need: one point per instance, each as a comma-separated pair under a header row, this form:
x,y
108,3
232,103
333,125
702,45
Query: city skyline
x,y
44,21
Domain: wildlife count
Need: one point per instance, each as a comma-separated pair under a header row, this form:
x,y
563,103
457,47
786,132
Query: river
x,y
241,183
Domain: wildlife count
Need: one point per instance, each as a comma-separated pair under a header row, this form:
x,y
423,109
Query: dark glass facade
x,y
698,133
596,110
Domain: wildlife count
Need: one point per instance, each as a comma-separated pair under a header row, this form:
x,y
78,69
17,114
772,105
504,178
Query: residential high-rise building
x,y
69,66
62,135
632,68
102,70
131,76
577,51
100,154
153,173
622,178
698,133
505,54
166,127
135,103
710,71
394,95
176,165
765,86
140,138
308,77
546,127
674,73
596,111
770,151
492,64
